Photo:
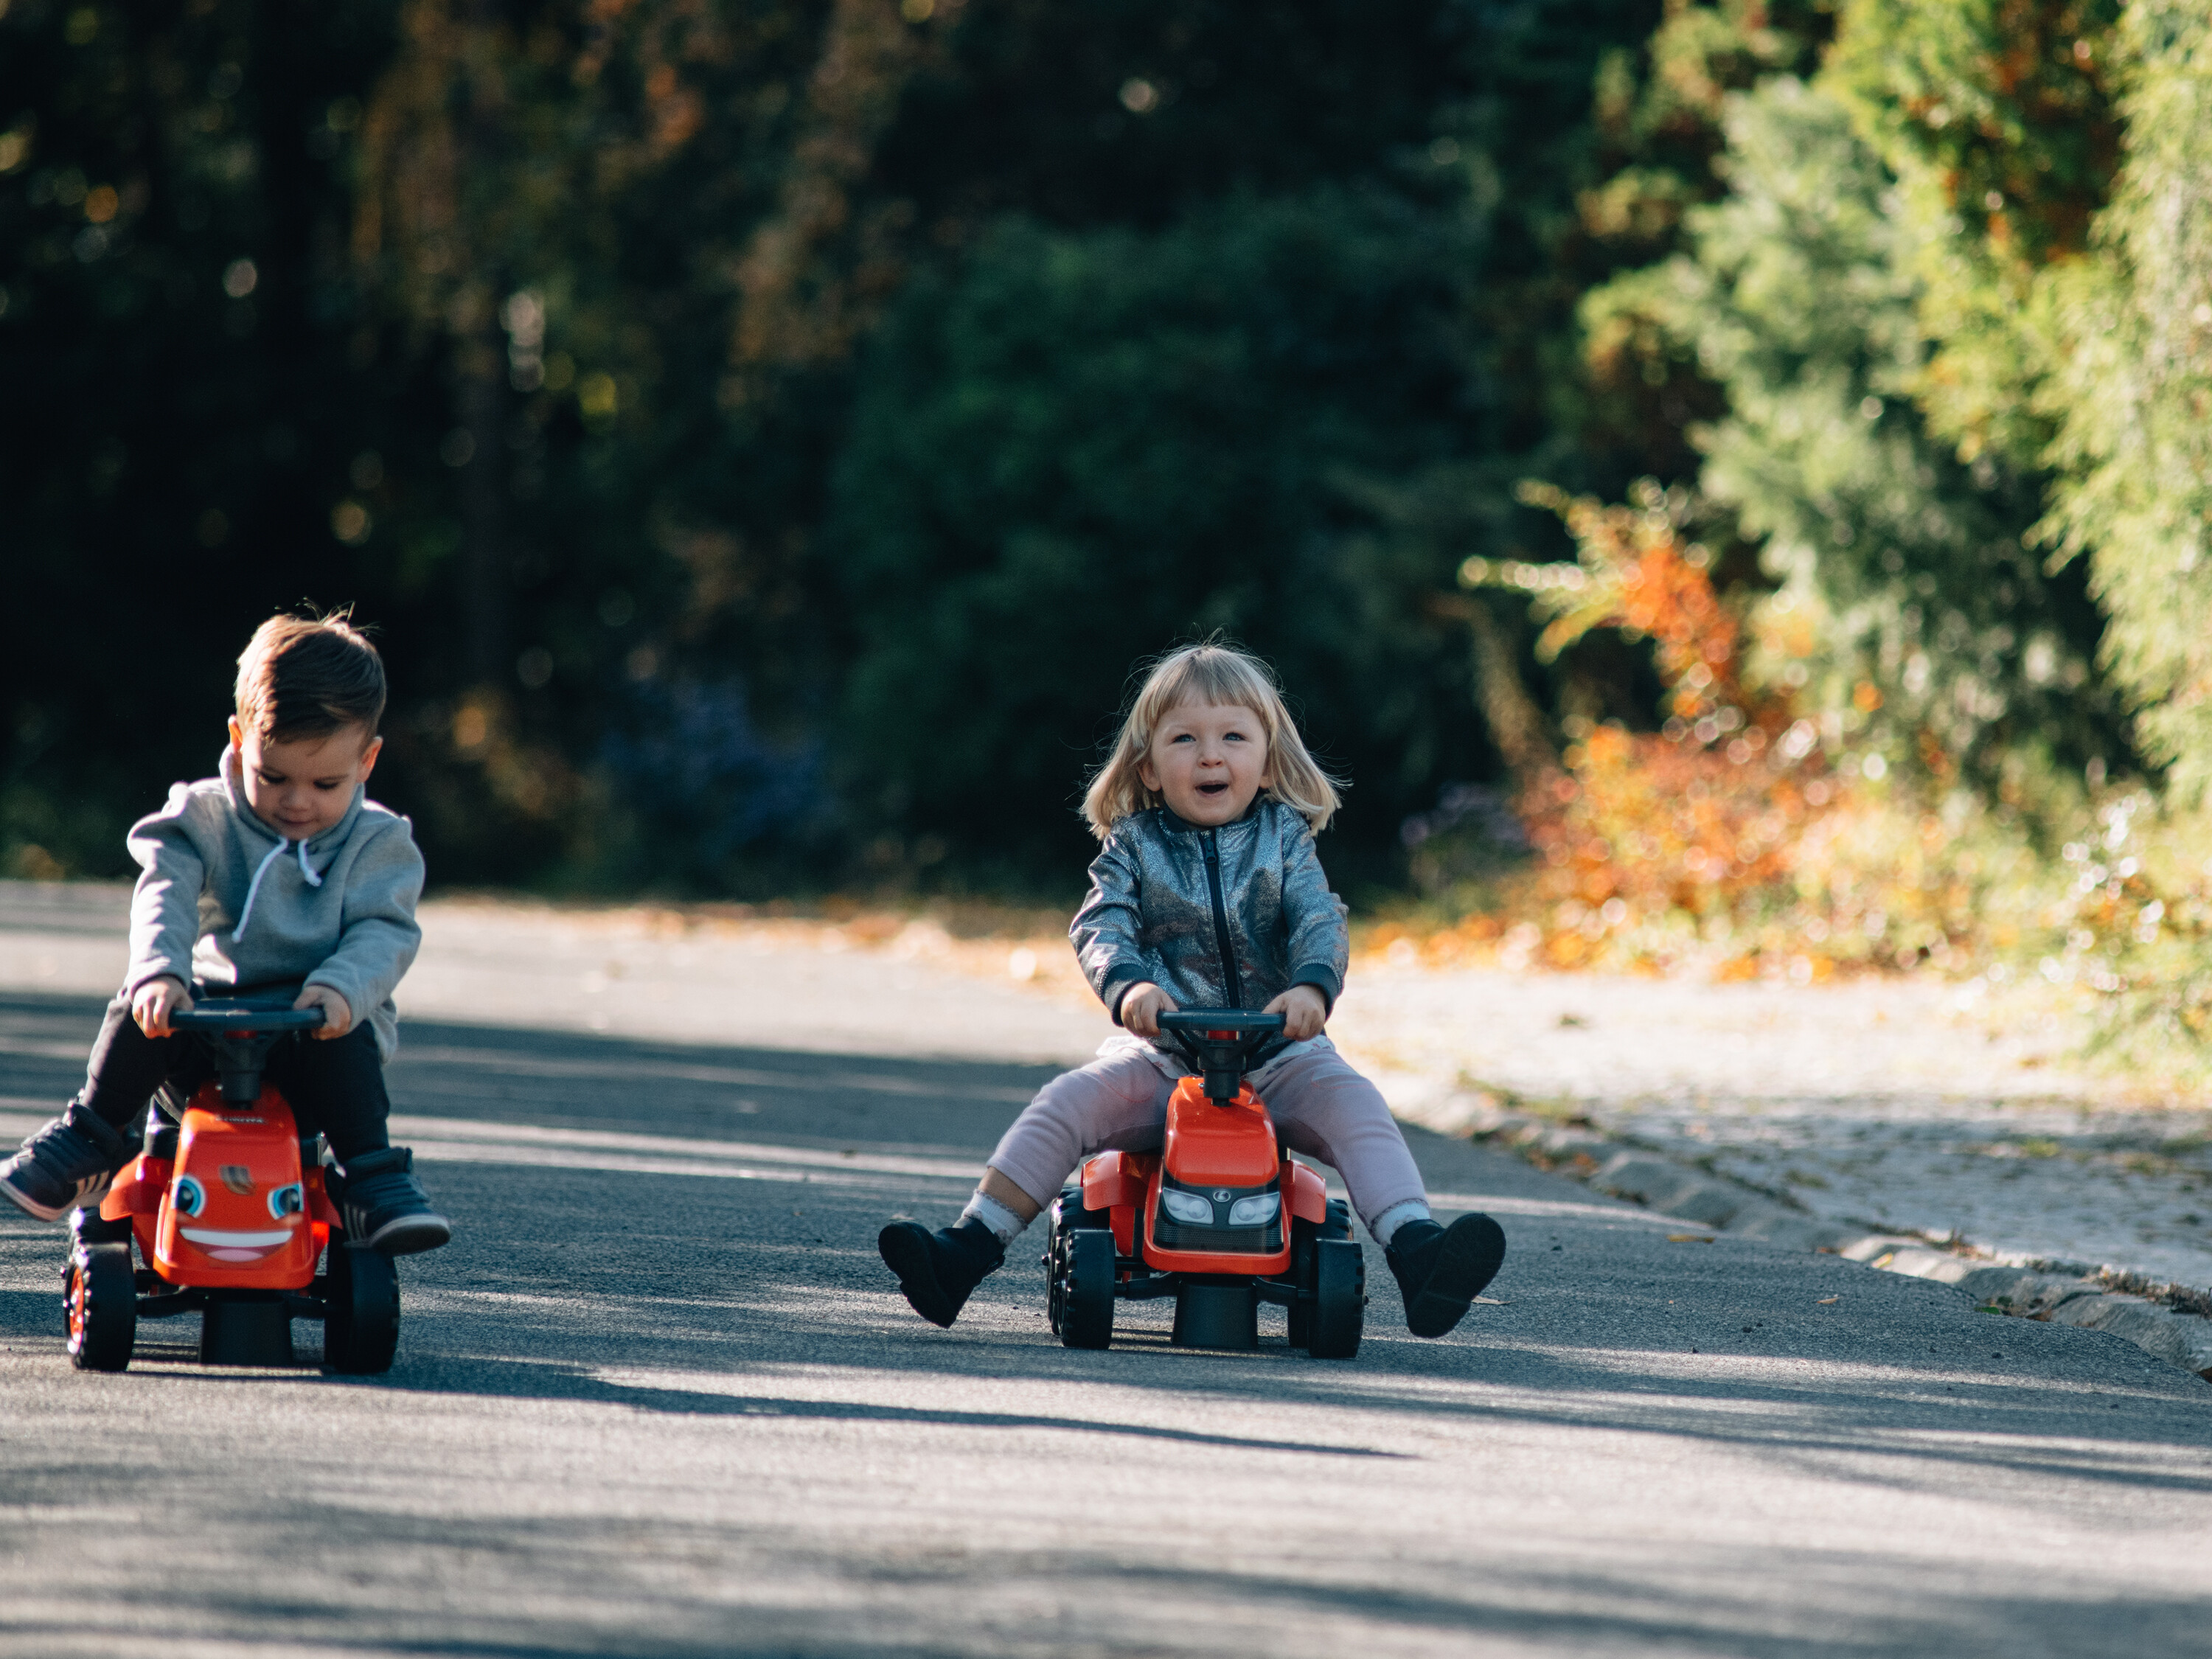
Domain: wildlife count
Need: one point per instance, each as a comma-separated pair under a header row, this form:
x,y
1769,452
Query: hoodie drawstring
x,y
254,888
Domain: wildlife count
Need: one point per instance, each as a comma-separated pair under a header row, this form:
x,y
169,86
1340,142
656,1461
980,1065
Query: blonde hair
x,y
1209,673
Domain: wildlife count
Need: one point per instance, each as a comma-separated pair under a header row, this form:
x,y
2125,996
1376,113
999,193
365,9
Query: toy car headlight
x,y
1186,1207
1255,1210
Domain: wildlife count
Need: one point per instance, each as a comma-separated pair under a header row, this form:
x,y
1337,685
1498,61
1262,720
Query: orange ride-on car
x,y
1218,1218
227,1211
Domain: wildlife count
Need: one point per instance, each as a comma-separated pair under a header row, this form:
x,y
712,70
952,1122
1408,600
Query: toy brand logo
x,y
238,1178
1221,1195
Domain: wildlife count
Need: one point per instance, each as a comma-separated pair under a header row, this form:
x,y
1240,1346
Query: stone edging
x,y
1710,1201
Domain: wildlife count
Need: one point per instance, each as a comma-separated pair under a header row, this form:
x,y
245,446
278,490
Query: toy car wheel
x,y
100,1300
1339,1304
360,1316
1067,1215
1086,1291
1067,1211
1304,1237
1055,1271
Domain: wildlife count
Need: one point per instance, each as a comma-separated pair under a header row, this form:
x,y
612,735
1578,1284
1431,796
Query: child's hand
x,y
1303,1009
338,1014
1142,1008
156,999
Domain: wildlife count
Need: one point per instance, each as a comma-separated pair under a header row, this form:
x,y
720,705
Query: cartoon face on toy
x,y
236,1212
238,1218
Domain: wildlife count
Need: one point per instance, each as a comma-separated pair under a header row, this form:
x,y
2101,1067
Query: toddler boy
x,y
278,872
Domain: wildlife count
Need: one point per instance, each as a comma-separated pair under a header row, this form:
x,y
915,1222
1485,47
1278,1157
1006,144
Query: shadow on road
x,y
499,1378
683,1290
1746,1602
483,1074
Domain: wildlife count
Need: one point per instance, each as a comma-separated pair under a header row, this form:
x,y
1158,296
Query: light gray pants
x,y
1119,1102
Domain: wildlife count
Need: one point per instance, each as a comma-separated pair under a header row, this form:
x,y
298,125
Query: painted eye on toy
x,y
190,1198
287,1201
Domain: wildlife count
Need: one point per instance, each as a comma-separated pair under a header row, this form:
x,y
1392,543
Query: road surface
x,y
660,1398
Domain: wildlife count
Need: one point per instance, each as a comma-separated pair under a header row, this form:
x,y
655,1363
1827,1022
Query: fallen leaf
x,y
1826,1300
1689,1238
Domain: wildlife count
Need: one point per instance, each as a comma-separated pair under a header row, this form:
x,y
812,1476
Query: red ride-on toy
x,y
1218,1218
227,1209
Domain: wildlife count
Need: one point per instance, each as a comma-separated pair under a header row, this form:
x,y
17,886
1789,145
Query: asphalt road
x,y
660,1398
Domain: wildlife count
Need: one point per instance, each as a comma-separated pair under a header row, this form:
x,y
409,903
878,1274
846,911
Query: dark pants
x,y
336,1086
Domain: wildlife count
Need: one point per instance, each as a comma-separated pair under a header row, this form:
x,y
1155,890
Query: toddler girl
x,y
1208,893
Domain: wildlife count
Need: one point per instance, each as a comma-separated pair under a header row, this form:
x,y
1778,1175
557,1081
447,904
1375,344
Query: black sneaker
x,y
938,1270
1441,1270
385,1207
68,1164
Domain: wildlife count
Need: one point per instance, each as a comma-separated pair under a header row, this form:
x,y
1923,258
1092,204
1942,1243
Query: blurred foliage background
x,y
1721,476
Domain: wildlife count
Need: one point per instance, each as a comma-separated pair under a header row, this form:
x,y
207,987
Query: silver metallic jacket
x,y
1227,918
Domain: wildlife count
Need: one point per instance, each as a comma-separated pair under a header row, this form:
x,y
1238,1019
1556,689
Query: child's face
x,y
303,786
1207,761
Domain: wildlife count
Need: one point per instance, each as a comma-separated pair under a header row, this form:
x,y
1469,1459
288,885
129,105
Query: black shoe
x,y
385,1207
938,1270
69,1163
1441,1270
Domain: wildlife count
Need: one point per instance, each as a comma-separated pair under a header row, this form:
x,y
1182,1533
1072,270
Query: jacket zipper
x,y
1232,982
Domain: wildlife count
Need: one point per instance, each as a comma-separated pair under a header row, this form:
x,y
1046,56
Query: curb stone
x,y
1675,1189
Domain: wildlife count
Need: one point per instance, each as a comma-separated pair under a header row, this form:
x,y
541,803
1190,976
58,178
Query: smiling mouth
x,y
224,1245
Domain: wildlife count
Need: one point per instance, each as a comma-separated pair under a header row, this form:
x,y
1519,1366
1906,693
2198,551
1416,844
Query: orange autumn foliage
x,y
1728,834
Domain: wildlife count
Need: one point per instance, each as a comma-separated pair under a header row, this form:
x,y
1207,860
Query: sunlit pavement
x,y
1913,1105
659,1399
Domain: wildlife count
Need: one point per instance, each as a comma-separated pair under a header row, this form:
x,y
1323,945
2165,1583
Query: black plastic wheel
x,y
1055,1259
1339,1304
1086,1289
360,1321
1067,1211
100,1301
1304,1237
1068,1214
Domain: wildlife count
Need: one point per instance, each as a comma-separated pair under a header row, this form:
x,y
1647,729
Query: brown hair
x,y
307,676
1209,673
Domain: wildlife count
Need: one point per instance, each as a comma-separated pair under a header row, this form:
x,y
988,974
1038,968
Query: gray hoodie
x,y
227,901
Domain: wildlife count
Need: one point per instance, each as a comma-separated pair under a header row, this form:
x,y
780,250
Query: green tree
x,y
577,344
714,207
1937,633
2132,398
178,326
1657,110
1996,118
1079,447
